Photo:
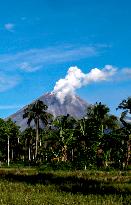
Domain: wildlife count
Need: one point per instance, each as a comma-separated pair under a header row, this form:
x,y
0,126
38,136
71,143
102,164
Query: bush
x,y
56,166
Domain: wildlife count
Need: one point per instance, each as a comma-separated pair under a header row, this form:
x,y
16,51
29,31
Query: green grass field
x,y
30,186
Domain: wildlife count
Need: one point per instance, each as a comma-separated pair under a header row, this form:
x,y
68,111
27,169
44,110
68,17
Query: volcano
x,y
75,106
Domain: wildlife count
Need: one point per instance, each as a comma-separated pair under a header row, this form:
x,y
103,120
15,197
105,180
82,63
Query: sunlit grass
x,y
29,186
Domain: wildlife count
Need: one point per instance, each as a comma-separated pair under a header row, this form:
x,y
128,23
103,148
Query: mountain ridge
x,y
75,106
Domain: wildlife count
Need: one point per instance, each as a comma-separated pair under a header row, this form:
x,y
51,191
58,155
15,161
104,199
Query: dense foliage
x,y
97,140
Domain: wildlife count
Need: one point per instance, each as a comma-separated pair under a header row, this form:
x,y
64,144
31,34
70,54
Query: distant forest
x,y
98,140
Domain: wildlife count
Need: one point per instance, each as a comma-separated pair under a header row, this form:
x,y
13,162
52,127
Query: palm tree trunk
x,y
37,136
40,142
8,159
128,152
64,153
12,154
29,154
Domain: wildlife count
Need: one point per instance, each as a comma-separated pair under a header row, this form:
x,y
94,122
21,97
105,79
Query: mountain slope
x,y
76,107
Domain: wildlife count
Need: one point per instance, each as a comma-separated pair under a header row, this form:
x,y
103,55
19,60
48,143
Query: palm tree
x,y
98,121
37,112
12,132
98,112
28,140
126,106
65,126
101,112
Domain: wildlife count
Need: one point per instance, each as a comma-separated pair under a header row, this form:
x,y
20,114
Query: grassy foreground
x,y
30,186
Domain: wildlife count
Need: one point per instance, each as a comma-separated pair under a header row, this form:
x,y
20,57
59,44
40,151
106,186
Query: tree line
x,y
99,139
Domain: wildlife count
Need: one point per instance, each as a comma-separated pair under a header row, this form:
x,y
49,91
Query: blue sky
x,y
41,39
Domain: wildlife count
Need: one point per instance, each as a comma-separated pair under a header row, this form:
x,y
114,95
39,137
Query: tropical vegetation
x,y
98,140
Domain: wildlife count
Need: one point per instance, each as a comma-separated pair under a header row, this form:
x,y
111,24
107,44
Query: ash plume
x,y
75,79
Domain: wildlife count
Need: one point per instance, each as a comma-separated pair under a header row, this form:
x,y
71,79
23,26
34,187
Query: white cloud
x,y
7,82
123,74
9,26
35,59
75,79
126,71
96,75
25,66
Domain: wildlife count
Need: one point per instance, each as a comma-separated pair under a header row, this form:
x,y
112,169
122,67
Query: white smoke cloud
x,y
75,79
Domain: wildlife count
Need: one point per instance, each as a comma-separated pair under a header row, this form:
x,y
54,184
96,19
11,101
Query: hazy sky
x,y
41,39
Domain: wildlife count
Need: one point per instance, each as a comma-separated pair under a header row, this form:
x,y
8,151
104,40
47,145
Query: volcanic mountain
x,y
75,106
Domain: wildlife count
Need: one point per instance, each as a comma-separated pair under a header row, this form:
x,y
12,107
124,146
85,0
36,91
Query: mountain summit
x,y
74,106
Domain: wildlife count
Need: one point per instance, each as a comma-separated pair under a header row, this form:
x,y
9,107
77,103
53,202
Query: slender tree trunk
x,y
40,142
8,152
72,155
18,152
102,129
64,153
37,136
23,157
29,153
128,152
12,155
